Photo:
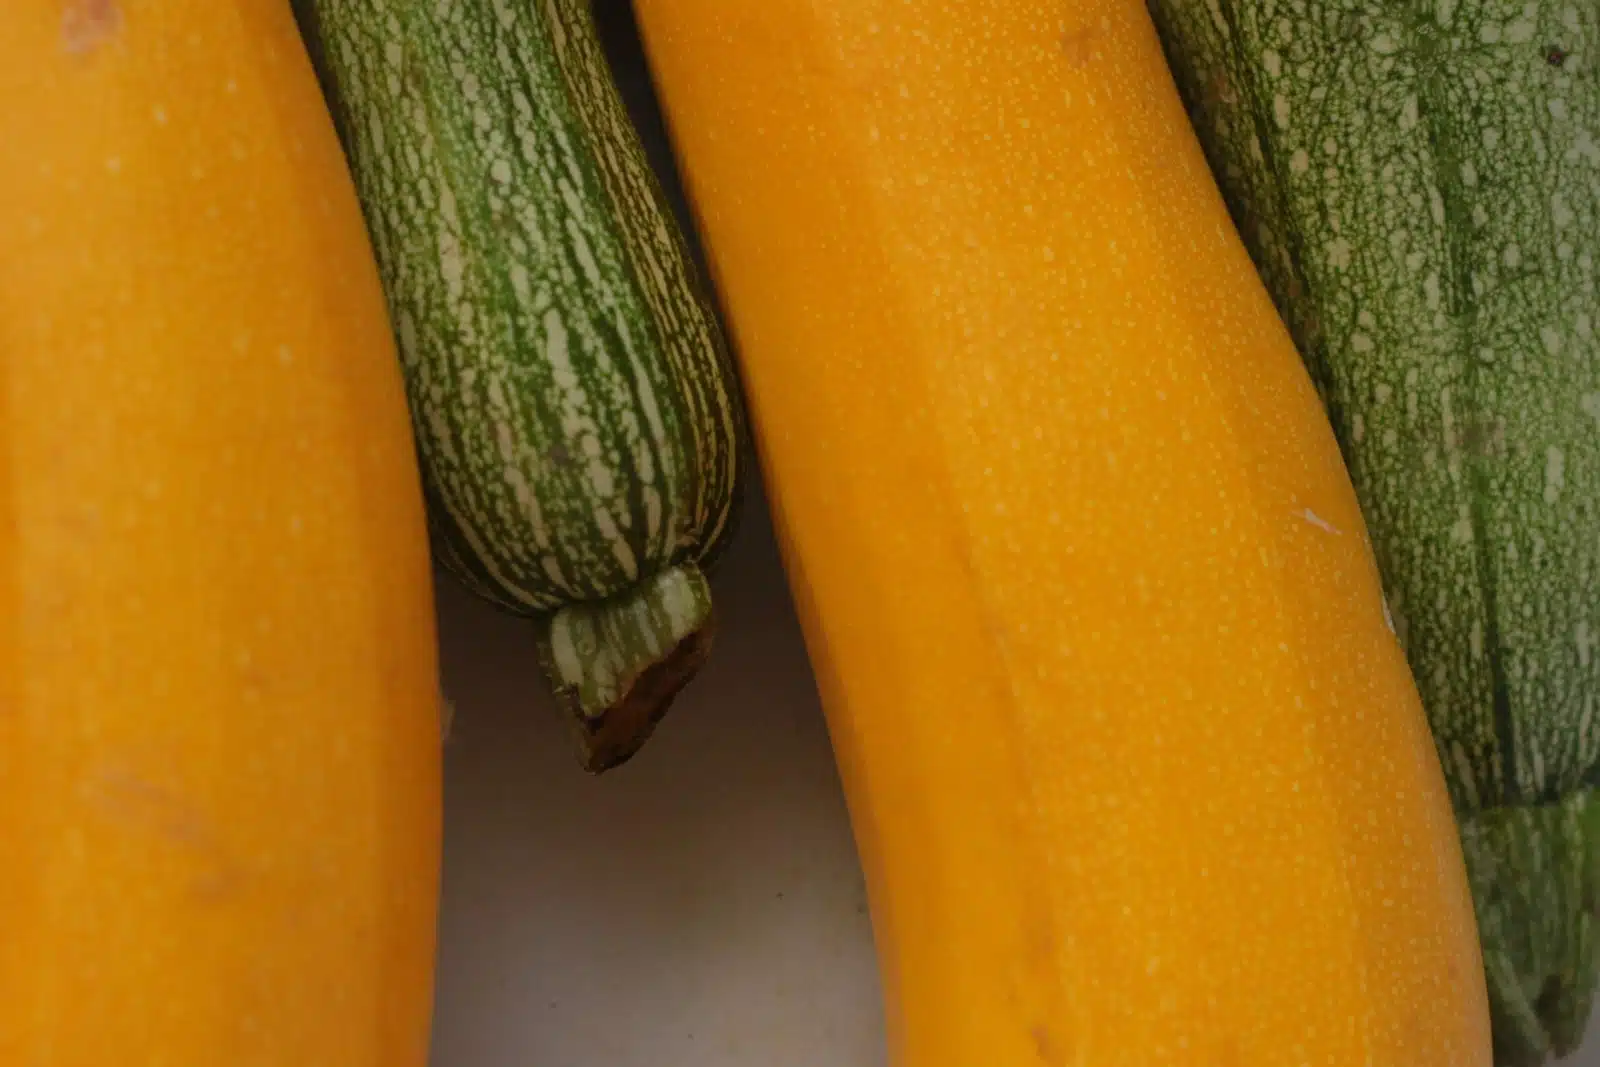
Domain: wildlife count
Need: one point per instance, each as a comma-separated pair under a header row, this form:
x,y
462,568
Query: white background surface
x,y
701,906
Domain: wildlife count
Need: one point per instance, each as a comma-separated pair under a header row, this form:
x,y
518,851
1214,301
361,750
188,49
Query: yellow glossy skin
x,y
219,736
1136,768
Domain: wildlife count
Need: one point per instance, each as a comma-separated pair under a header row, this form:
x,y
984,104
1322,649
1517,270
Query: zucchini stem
x,y
616,665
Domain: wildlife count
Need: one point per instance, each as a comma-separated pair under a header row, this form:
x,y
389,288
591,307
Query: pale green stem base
x,y
1534,881
616,665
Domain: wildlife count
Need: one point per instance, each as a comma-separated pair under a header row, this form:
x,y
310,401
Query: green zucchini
x,y
577,414
1419,186
1538,863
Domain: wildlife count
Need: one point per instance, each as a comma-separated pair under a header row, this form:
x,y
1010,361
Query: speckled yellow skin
x,y
1136,768
219,744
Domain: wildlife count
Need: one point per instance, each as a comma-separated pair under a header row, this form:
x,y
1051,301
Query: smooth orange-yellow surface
x,y
219,742
1136,768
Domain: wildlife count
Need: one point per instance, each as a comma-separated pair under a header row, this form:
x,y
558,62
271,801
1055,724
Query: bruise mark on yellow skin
x,y
87,24
141,804
1081,45
1045,1045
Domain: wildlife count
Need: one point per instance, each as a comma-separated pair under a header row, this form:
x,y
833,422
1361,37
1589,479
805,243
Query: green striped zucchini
x,y
576,411
1419,185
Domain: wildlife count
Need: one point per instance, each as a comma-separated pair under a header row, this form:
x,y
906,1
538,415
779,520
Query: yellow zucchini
x,y
1136,767
219,744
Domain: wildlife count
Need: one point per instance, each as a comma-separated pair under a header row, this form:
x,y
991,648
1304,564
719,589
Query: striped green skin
x,y
1419,185
576,412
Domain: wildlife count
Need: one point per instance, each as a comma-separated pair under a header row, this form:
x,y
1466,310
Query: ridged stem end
x,y
1533,872
616,665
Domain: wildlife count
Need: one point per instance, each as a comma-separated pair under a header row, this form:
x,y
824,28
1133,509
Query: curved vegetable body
x,y
1137,772
219,743
1534,873
577,415
1418,186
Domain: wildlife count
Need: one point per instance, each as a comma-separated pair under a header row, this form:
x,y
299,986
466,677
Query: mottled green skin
x,y
1419,184
576,412
1539,945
